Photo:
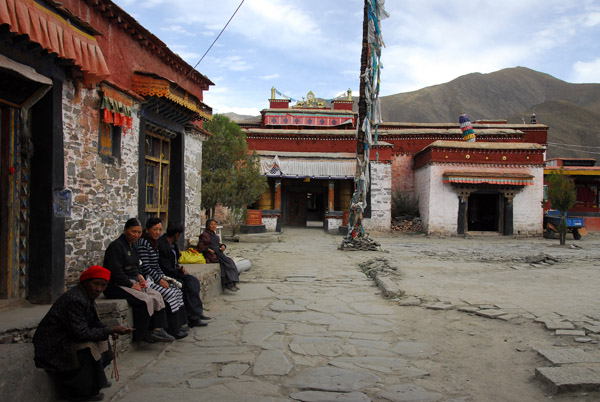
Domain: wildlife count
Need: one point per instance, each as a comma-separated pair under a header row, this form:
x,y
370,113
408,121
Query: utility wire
x,y
215,41
571,145
220,33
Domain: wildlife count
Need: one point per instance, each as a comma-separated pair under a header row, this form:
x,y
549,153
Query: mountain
x,y
572,111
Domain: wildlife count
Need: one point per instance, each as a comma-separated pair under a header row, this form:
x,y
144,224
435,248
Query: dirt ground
x,y
475,358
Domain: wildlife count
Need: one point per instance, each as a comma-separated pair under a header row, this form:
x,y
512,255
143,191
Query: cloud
x,y
586,71
233,63
177,30
269,77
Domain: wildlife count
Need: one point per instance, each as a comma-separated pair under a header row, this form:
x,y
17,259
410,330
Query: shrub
x,y
404,204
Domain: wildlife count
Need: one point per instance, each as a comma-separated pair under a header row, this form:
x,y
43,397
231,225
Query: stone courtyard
x,y
465,319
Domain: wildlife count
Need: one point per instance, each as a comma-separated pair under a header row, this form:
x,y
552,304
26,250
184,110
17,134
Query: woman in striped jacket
x,y
147,247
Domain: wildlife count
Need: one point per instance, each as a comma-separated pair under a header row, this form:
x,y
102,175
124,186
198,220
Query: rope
x,y
115,372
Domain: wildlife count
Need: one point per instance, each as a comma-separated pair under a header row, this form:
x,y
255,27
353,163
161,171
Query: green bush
x,y
403,204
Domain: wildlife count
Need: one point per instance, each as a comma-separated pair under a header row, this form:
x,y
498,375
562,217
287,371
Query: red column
x,y
330,195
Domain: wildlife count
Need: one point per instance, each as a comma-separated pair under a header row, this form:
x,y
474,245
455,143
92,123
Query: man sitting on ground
x,y
71,343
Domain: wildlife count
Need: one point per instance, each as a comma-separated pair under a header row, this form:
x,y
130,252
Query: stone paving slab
x,y
320,396
569,379
490,313
569,332
332,379
272,362
560,356
554,325
409,393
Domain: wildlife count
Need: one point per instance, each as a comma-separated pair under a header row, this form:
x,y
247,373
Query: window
x,y
109,143
157,158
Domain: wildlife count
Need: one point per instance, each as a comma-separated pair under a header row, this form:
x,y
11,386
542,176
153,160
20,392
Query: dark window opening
x,y
109,142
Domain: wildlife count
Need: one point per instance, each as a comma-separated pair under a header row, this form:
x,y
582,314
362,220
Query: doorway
x,y
483,212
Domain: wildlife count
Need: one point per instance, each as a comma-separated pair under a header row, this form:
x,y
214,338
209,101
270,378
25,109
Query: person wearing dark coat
x,y
71,343
211,247
126,282
168,257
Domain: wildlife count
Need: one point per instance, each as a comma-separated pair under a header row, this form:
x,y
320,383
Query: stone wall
x,y
381,198
194,223
105,193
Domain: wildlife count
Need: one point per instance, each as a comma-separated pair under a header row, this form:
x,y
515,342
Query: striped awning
x,y
318,168
510,179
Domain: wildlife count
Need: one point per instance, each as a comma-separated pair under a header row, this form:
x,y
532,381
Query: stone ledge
x,y
569,379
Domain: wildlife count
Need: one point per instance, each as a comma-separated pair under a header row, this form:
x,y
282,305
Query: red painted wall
x,y
124,54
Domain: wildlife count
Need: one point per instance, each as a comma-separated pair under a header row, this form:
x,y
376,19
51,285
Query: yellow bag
x,y
191,256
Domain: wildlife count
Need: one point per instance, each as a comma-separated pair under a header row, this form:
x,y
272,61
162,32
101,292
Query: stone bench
x,y
117,311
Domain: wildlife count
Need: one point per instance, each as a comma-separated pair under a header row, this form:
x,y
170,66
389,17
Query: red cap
x,y
95,272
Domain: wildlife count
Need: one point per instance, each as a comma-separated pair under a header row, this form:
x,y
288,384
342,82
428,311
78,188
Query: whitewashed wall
x,y
438,202
381,198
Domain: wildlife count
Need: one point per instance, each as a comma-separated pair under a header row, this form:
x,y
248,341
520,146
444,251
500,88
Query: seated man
x,y
169,254
71,343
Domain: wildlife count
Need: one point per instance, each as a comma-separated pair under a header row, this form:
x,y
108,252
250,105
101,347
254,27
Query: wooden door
x,y
297,209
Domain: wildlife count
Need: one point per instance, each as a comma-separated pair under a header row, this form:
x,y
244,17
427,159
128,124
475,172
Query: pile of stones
x,y
375,266
364,243
22,335
407,224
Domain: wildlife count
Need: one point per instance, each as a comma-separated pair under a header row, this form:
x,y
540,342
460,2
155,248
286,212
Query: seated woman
x,y
71,343
126,282
212,249
147,248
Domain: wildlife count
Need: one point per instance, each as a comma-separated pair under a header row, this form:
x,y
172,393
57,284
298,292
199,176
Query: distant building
x,y
100,122
586,176
308,153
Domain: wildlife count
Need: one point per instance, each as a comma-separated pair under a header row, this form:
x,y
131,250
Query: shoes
x,y
203,317
159,335
185,327
232,288
107,385
197,323
180,335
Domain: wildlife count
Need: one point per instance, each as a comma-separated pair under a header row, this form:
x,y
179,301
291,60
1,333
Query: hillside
x,y
572,111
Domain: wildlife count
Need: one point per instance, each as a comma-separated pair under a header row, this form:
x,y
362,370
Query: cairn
x,y
362,243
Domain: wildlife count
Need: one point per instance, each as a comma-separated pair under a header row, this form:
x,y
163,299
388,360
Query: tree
x,y
561,195
230,174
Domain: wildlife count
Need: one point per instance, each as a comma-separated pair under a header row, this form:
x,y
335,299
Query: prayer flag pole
x,y
369,113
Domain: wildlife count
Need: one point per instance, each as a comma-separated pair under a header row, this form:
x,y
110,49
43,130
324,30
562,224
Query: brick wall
x,y
403,178
105,194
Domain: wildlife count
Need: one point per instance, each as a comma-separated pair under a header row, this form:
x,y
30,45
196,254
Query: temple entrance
x,y
484,212
297,209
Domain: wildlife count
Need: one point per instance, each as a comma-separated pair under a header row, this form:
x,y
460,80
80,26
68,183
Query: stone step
x,y
569,379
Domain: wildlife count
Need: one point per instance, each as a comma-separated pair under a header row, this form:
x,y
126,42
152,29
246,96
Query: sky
x,y
314,45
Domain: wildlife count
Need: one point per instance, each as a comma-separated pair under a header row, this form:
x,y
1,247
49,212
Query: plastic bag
x,y
191,256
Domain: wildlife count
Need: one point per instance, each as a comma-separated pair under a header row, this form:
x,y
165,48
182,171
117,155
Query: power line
x,y
220,33
215,41
571,145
